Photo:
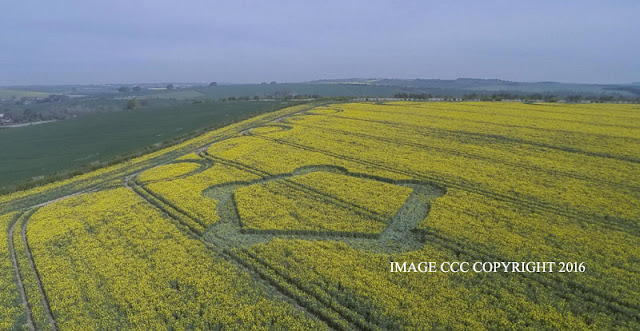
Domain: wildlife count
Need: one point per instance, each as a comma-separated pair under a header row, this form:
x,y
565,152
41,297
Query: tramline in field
x,y
290,220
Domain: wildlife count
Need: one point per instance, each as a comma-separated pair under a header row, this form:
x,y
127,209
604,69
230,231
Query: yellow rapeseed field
x,y
291,220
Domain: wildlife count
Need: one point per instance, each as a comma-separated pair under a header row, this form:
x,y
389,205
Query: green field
x,y
265,90
6,94
63,146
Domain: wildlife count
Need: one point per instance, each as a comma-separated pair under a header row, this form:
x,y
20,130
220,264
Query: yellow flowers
x,y
359,282
169,171
524,182
313,207
109,260
186,193
10,306
28,277
275,205
382,198
320,201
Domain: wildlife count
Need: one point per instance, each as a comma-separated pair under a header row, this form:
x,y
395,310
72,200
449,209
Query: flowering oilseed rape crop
x,y
169,171
291,219
11,311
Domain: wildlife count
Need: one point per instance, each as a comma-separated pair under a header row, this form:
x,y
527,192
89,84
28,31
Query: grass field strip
x,y
117,172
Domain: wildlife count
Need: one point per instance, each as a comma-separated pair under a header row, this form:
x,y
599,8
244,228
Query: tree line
x,y
547,97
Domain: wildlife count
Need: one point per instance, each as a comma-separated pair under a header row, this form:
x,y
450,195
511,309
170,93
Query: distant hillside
x,y
6,93
23,104
463,86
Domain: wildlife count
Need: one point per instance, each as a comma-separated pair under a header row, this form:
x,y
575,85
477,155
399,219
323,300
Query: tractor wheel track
x,y
45,302
616,224
244,265
16,268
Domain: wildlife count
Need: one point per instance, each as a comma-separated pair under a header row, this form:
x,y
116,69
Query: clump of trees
x,y
278,95
53,98
132,104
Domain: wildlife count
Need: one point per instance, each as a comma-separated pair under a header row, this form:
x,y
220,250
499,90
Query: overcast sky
x,y
128,41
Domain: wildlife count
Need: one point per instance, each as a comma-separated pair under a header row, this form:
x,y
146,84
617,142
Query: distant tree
x,y
256,98
263,83
574,98
137,89
282,93
213,84
472,96
29,115
123,89
132,104
606,98
273,82
170,87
